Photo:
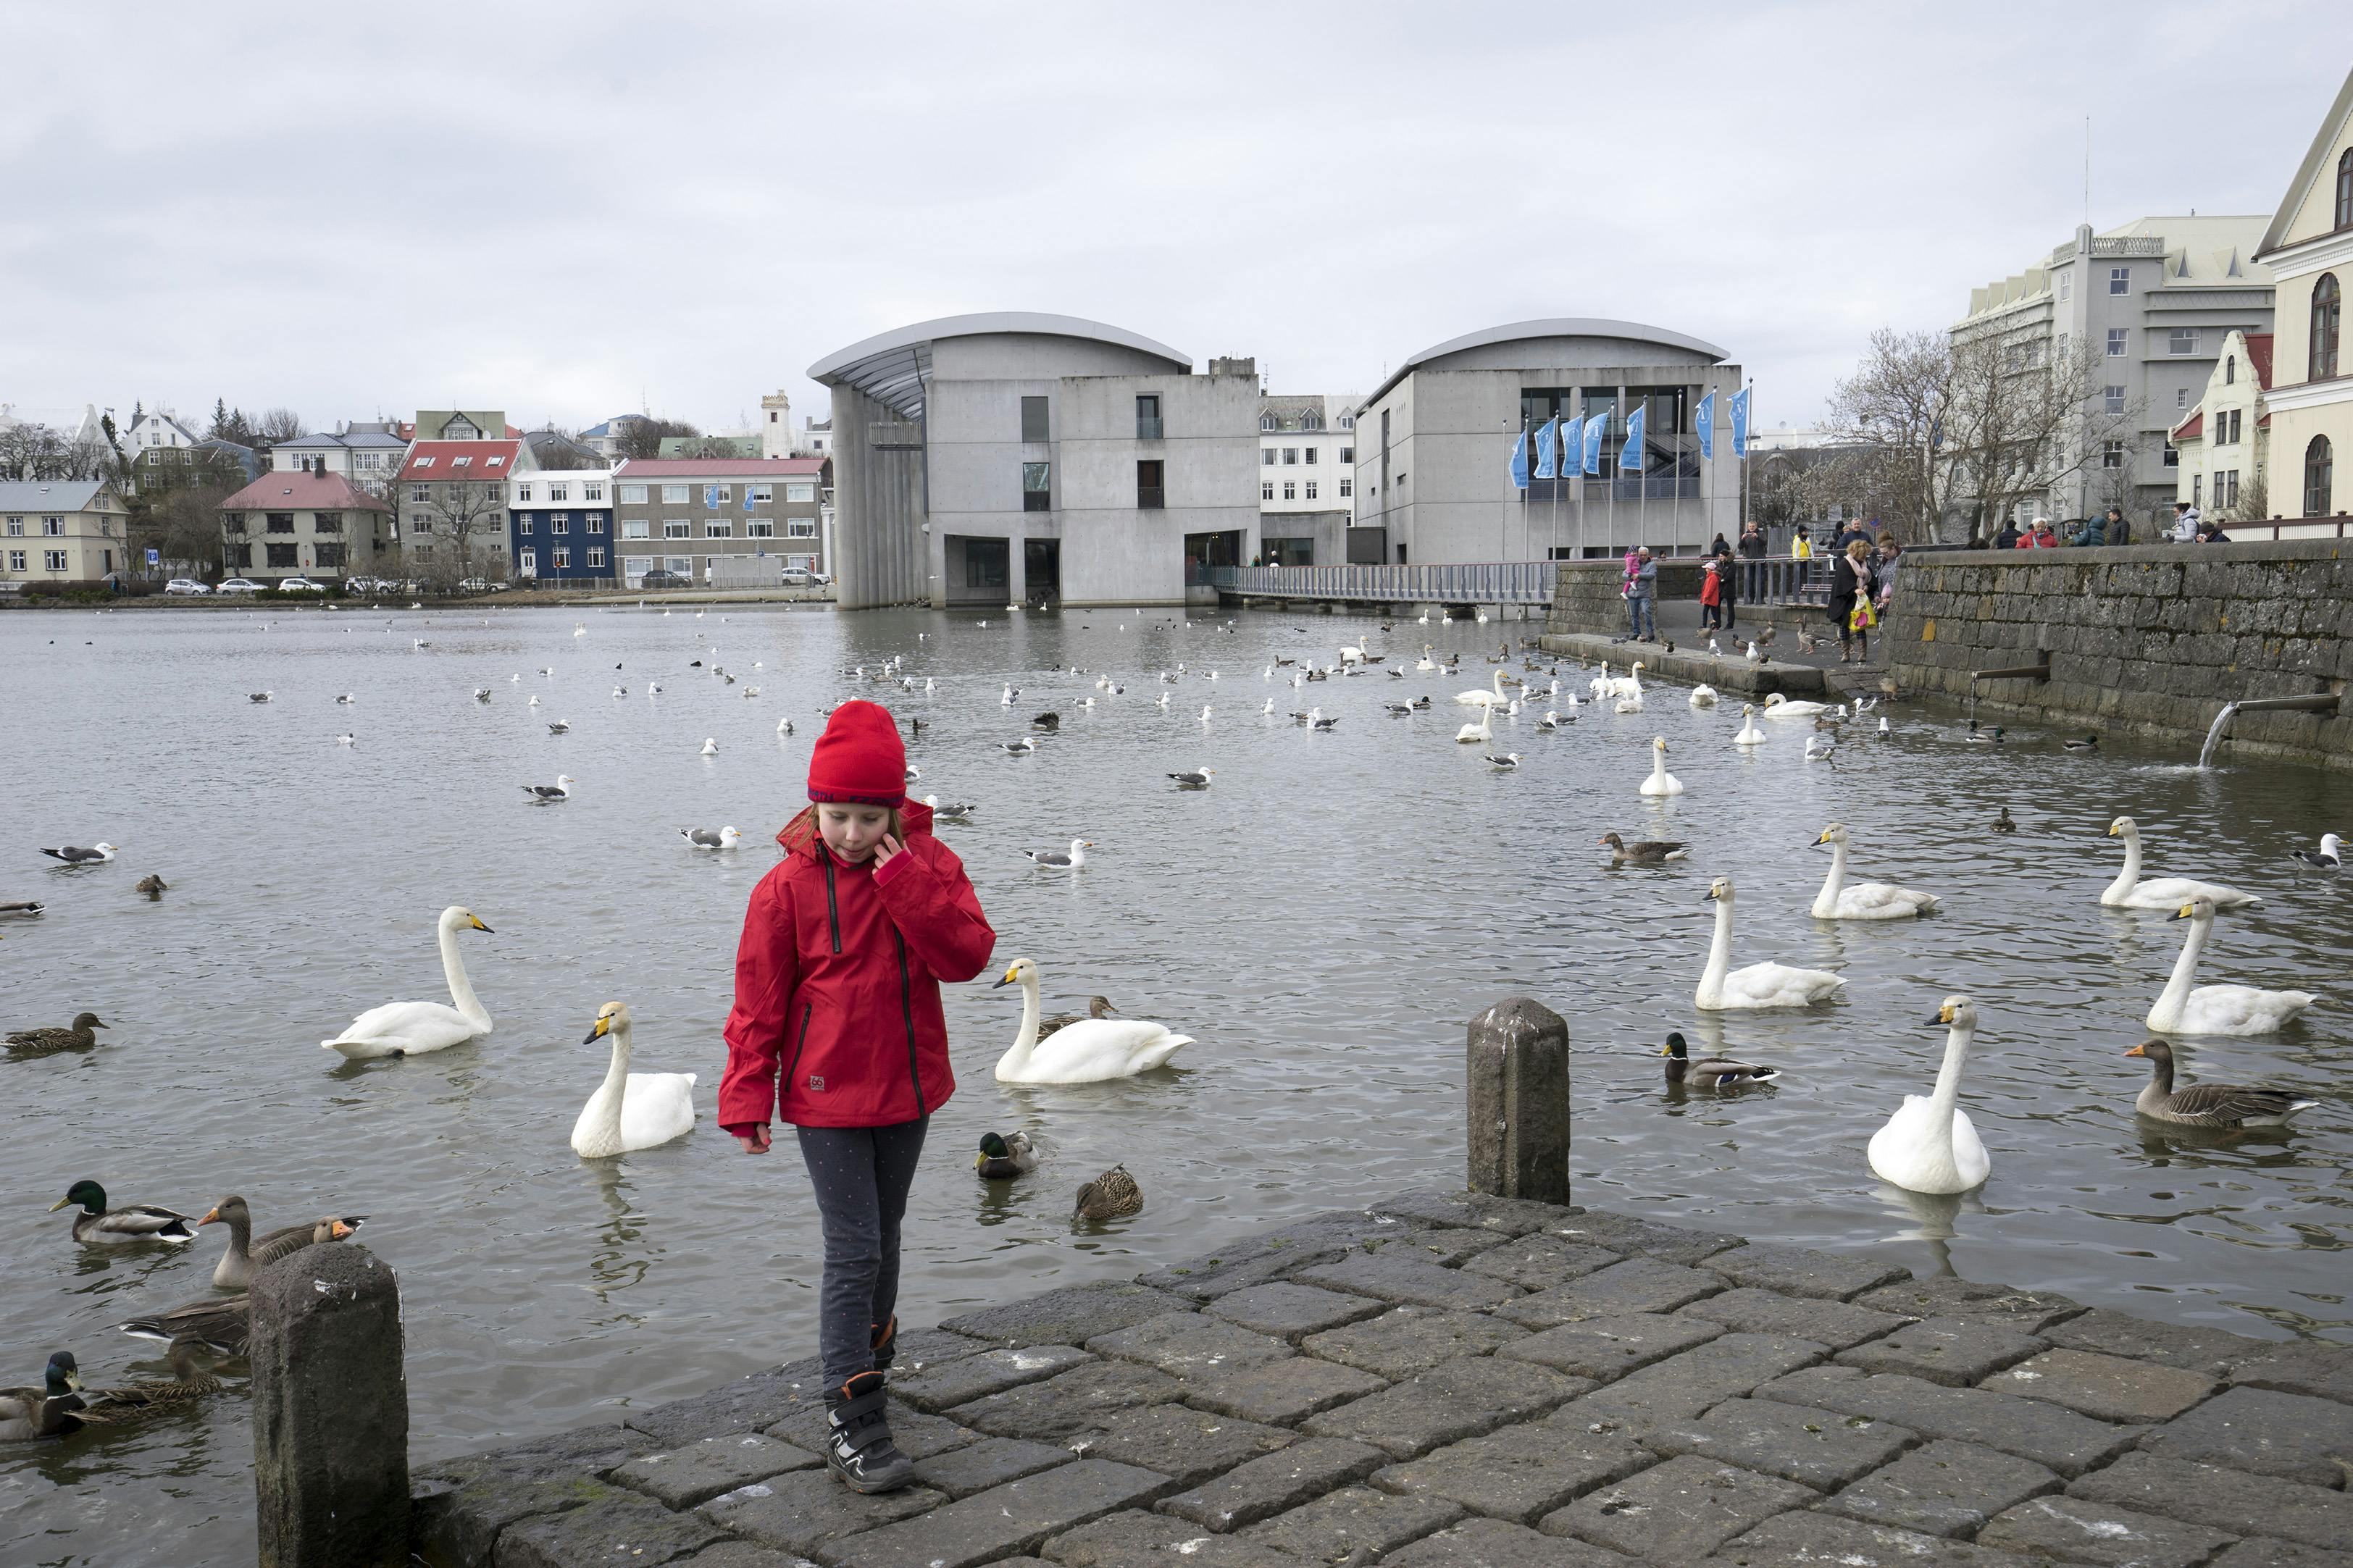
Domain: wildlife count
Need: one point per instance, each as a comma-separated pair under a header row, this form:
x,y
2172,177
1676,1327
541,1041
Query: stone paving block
x,y
1267,1486
2226,1499
2105,1387
2060,1440
749,1403
742,1554
1492,1543
1276,1254
2291,1435
2300,1367
1837,1325
2076,1532
1183,1342
1521,1473
1390,1275
1809,1540
927,1347
992,1461
1005,1519
1187,1445
1290,1311
1070,1316
1410,1340
460,1504
700,1470
919,1436
1352,1525
1607,1349
1819,1448
2028,1311
1447,1404
1540,1262
2193,1348
1680,1386
1280,1392
2265,1553
1448,1247
960,1382
800,1512
1951,1351
1132,1539
1484,1211
1677,1512
1075,1401
1637,1285
1944,1488
1803,1271
624,1528
1625,1233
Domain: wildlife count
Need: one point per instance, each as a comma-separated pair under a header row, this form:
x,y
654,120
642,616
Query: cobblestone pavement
x,y
1446,1380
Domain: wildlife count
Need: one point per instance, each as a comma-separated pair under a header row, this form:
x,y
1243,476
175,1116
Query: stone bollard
x,y
330,1411
1516,1078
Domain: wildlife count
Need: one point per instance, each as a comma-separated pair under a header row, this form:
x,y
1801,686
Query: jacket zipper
x,y
907,1011
807,1008
832,907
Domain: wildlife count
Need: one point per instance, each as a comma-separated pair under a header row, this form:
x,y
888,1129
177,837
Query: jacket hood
x,y
915,817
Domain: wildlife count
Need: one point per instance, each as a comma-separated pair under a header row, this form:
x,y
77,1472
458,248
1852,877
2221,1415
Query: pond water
x,y
1322,920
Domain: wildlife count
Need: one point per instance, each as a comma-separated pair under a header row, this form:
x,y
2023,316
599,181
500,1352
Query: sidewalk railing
x,y
1475,583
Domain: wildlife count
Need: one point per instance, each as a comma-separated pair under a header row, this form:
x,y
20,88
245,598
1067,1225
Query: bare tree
x,y
645,435
31,450
281,425
556,448
183,527
466,513
2252,504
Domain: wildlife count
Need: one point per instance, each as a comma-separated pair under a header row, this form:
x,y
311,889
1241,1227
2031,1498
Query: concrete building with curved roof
x,y
1434,442
1012,457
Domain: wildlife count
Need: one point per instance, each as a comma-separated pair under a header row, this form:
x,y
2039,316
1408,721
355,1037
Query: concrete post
x,y
1517,1076
330,1411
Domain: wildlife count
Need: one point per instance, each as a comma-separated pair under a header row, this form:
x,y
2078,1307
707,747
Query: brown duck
x,y
44,1042
1109,1195
188,1384
1643,852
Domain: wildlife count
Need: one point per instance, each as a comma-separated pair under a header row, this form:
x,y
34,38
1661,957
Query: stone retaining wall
x,y
1587,598
2148,639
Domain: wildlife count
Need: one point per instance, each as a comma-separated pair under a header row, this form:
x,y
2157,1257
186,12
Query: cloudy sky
x,y
578,210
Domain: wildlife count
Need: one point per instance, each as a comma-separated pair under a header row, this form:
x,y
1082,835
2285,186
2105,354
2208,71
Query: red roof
x,y
303,491
720,467
2189,430
2259,349
460,460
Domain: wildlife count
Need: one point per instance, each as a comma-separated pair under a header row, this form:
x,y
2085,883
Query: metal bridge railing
x,y
1469,582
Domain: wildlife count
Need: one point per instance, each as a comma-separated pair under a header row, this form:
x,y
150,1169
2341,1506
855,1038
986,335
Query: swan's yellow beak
x,y
2113,828
1011,975
2186,912
603,1027
1825,838
478,925
2138,1050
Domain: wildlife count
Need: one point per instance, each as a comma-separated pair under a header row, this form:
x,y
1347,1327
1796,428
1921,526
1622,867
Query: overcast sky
x,y
580,210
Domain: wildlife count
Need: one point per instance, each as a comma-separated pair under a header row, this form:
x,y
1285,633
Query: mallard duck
x,y
1711,1072
132,1222
245,1254
81,1037
2218,1105
1097,1008
24,908
152,885
1109,1195
48,1412
187,1385
224,1322
1001,1157
1643,851
2003,824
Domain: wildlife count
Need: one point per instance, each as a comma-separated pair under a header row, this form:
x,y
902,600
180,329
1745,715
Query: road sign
x,y
155,556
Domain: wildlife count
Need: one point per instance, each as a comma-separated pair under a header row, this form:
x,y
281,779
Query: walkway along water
x,y
1469,1377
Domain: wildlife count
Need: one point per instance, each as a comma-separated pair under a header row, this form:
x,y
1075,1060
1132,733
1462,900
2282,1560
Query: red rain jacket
x,y
836,986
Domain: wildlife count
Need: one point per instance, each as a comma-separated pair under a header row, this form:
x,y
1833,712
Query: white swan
x,y
1660,782
411,1029
631,1110
1758,985
1750,735
1484,698
1865,900
1702,696
1091,1050
2217,1009
1424,664
2129,892
1353,653
1482,733
1779,707
1930,1145
1629,684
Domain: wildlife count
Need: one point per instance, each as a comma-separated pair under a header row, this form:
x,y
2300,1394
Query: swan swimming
x,y
1750,735
1702,696
1759,985
1482,733
1484,697
412,1028
1660,782
2129,892
1089,1050
631,1110
1863,900
2217,1009
1779,707
1930,1145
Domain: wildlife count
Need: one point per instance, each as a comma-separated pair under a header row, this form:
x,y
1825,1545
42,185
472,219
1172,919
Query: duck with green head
x,y
51,1411
99,1224
1710,1072
1002,1156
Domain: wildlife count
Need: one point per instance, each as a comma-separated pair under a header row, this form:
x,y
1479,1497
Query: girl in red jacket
x,y
837,989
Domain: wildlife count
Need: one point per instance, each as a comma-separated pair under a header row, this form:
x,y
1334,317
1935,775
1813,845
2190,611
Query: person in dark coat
x,y
2009,536
1851,586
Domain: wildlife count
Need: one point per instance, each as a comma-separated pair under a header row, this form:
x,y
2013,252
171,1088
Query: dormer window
x,y
460,462
424,462
493,462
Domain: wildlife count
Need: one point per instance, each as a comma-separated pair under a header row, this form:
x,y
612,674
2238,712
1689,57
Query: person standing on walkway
x,y
1850,607
2039,537
1710,594
2093,532
837,990
2185,523
2008,537
1752,547
2119,531
1728,588
1641,595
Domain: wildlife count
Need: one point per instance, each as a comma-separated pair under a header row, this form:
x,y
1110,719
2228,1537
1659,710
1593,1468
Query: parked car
x,y
301,585
238,585
798,577
660,578
822,579
187,585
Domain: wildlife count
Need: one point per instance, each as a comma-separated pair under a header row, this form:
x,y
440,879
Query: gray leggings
x,y
861,1175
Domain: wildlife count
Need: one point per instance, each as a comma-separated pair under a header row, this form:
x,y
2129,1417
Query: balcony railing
x,y
1151,498
1147,427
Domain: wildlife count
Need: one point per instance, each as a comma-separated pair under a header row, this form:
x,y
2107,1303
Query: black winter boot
x,y
885,1344
857,1438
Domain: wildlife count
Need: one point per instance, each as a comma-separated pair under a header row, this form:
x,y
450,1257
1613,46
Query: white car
x,y
796,577
187,585
301,585
238,585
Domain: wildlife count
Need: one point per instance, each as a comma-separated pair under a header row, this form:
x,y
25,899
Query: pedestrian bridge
x,y
1472,583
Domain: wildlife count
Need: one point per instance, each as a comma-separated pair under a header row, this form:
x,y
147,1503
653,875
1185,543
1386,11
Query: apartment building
x,y
560,528
370,454
303,523
61,530
453,501
1307,479
681,514
2224,447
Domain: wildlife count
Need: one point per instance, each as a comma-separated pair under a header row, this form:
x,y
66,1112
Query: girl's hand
x,y
757,1144
886,850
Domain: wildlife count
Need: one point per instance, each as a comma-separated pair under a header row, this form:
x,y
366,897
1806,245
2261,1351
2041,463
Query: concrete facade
x,y
1434,446
560,527
2223,449
1014,458
1307,479
683,514
61,530
305,523
2309,247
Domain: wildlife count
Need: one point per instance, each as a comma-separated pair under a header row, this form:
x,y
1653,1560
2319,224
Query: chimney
x,y
1229,366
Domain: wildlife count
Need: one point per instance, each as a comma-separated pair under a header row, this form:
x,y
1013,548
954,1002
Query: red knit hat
x,y
860,759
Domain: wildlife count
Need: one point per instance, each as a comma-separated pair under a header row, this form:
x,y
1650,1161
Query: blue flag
x,y
1545,467
1595,426
1740,422
1629,455
1706,424
1572,448
711,497
1520,461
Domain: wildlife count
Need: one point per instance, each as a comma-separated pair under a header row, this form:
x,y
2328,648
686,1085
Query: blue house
x,y
560,528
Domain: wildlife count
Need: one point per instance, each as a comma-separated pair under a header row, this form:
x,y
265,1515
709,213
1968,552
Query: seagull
x,y
534,701
2326,857
257,697
1551,720
1820,748
620,691
1267,711
784,726
1197,780
559,790
1206,711
344,741
579,629
1022,747
481,694
1506,763
710,747
559,726
653,689
1883,725
1010,693
1400,709
420,642
1713,647
74,857
1316,719
954,811
1163,703
703,838
346,699
912,775
1048,722
1062,860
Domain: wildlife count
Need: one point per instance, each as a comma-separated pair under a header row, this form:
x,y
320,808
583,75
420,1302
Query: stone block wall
x,y
1585,599
2147,638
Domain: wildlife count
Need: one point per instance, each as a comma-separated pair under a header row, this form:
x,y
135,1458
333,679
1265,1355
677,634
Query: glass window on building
x,y
718,529
677,528
799,490
1348,454
595,555
1266,490
2119,280
636,527
1347,487
1291,490
2181,340
676,495
2117,338
633,495
1311,489
800,528
1266,457
1036,484
2113,399
1033,419
760,528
